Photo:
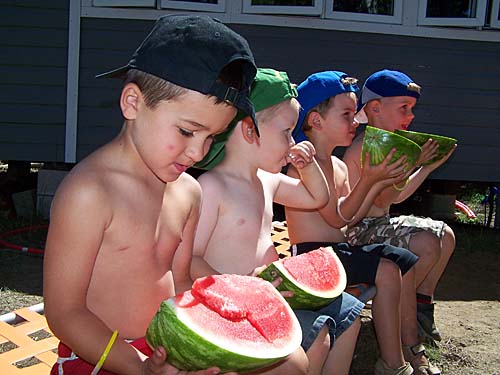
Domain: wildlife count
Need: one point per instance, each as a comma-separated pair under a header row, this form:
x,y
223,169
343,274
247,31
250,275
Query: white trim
x,y
125,3
478,20
396,18
72,82
316,9
179,4
495,16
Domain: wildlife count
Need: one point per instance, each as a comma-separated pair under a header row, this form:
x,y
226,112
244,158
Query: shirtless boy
x,y
123,220
387,101
233,235
328,101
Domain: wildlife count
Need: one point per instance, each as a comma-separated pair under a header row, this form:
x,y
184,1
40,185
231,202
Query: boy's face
x,y
392,113
175,134
276,136
339,125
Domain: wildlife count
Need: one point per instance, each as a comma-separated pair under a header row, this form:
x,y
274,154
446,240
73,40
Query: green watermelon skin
x,y
445,143
301,300
186,350
378,143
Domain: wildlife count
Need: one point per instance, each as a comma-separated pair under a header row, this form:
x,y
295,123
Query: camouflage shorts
x,y
396,231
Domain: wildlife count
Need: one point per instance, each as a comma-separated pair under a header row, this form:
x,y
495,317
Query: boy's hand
x,y
386,170
429,150
301,154
156,365
285,293
441,161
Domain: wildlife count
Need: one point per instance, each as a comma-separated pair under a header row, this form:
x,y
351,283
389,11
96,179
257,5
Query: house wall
x,y
33,64
460,79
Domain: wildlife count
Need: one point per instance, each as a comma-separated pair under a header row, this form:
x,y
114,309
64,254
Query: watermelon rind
x,y
192,350
378,143
445,143
304,298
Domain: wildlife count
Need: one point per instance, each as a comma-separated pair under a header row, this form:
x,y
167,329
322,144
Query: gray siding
x,y
33,41
460,79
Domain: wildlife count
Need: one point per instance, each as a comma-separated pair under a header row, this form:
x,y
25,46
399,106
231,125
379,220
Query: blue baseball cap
x,y
315,89
385,83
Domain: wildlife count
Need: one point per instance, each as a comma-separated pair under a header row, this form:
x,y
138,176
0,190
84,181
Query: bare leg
x,y
386,313
409,332
318,352
429,283
340,357
426,246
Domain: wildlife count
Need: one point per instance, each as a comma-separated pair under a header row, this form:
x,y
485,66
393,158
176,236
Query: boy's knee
x,y
388,273
448,241
426,245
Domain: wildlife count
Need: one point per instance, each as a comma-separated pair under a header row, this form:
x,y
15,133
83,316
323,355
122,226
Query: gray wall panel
x,y
33,41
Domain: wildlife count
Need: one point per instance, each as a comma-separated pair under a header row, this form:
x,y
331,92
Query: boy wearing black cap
x,y
233,234
123,220
387,101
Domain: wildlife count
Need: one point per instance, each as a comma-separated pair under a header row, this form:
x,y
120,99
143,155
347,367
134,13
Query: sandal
x,y
381,368
415,354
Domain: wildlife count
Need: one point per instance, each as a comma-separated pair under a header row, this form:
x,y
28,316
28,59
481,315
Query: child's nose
x,y
196,151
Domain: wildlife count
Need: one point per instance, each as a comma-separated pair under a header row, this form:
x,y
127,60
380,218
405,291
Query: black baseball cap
x,y
190,51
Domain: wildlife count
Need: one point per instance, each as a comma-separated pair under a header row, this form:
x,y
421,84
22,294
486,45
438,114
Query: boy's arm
x,y
181,264
77,224
208,221
308,189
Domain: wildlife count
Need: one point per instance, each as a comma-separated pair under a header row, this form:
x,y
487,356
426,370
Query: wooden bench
x,y
27,344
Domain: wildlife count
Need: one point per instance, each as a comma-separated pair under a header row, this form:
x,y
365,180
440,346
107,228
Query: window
x,y
125,3
452,12
300,7
204,5
386,11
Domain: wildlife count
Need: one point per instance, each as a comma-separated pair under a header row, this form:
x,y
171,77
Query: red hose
x,y
24,249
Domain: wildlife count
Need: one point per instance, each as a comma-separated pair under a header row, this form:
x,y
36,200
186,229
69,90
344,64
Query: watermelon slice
x,y
445,143
237,323
378,143
316,278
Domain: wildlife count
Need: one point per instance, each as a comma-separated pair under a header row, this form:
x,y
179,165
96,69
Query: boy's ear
x,y
373,106
248,130
130,100
315,120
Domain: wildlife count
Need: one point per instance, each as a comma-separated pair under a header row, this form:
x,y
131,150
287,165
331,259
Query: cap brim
x,y
116,73
361,116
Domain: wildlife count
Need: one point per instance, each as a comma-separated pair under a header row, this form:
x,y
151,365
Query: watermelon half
x,y
237,323
445,143
378,143
316,278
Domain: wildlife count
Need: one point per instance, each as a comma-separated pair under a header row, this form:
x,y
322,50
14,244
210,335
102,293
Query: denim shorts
x,y
339,315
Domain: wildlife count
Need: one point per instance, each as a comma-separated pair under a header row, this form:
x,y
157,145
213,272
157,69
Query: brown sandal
x,y
381,368
415,354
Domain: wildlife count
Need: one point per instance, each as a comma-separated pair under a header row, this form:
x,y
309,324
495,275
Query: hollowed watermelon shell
x,y
236,323
316,278
378,143
445,143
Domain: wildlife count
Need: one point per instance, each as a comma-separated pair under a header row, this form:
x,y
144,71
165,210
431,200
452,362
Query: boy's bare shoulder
x,y
338,164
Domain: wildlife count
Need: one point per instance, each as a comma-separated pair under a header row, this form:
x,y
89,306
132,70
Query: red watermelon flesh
x,y
249,306
315,269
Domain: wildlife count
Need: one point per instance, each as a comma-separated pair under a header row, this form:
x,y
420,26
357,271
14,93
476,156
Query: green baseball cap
x,y
270,87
